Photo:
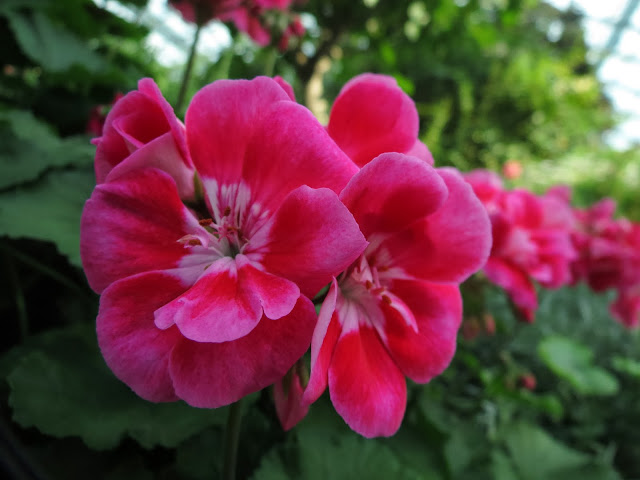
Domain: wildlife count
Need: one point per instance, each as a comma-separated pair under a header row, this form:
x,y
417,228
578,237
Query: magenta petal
x,y
221,120
367,388
437,308
450,244
372,115
289,149
289,408
286,86
133,225
393,191
133,347
324,339
161,153
211,375
516,283
311,238
421,151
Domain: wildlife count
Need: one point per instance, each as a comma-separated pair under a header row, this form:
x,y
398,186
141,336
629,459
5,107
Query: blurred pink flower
x,y
531,239
206,299
396,310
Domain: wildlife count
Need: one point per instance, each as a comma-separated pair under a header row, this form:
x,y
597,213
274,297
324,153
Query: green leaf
x,y
536,455
627,365
66,390
51,46
28,147
573,362
48,210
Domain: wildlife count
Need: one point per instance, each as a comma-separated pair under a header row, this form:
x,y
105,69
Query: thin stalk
x,y
231,438
187,69
270,63
21,306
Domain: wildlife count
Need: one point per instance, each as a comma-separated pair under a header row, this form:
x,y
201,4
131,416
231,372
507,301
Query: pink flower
x,y
287,396
626,308
396,310
531,240
203,11
142,130
372,115
512,169
205,299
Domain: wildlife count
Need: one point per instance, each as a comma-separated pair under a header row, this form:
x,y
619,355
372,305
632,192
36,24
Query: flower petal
x,y
133,225
211,375
222,118
450,244
289,149
393,191
324,339
516,283
372,115
311,238
437,309
367,388
135,349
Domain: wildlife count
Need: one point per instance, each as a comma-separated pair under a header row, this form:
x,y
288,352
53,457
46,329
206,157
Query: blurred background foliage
x,y
493,80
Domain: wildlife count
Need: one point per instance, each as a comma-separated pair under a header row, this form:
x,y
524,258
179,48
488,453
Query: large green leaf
x,y
51,46
65,389
573,362
48,210
28,147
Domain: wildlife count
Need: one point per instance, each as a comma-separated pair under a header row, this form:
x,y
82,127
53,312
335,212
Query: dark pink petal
x,y
517,284
393,191
289,407
421,151
448,245
289,149
325,336
311,238
437,308
134,348
161,153
367,388
211,375
372,115
133,225
286,86
221,120
486,184
228,301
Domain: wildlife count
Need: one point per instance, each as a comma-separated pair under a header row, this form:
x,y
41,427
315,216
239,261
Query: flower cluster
x,y
544,239
257,18
207,240
531,239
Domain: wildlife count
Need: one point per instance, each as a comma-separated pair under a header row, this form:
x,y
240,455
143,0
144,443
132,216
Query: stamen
x,y
368,284
205,222
386,299
227,211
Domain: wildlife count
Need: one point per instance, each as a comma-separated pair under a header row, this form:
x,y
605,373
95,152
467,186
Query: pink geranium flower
x,y
531,239
396,310
371,116
206,299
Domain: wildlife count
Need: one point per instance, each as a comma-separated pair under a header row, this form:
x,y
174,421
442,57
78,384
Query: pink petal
x,y
289,408
325,336
311,238
286,86
135,349
211,375
367,388
421,151
372,115
437,308
133,225
227,302
393,191
450,244
221,120
161,153
516,283
289,149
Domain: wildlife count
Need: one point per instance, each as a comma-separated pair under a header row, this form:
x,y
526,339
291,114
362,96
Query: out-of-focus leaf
x,y
573,362
48,210
52,47
627,365
28,147
66,390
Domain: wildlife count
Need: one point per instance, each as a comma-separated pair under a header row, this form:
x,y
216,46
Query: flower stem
x,y
270,62
231,437
187,69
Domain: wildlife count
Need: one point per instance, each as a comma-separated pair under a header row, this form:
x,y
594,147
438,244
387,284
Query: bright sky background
x,y
620,72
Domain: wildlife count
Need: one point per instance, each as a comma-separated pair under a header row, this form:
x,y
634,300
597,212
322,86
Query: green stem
x,y
187,69
270,63
21,306
231,437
